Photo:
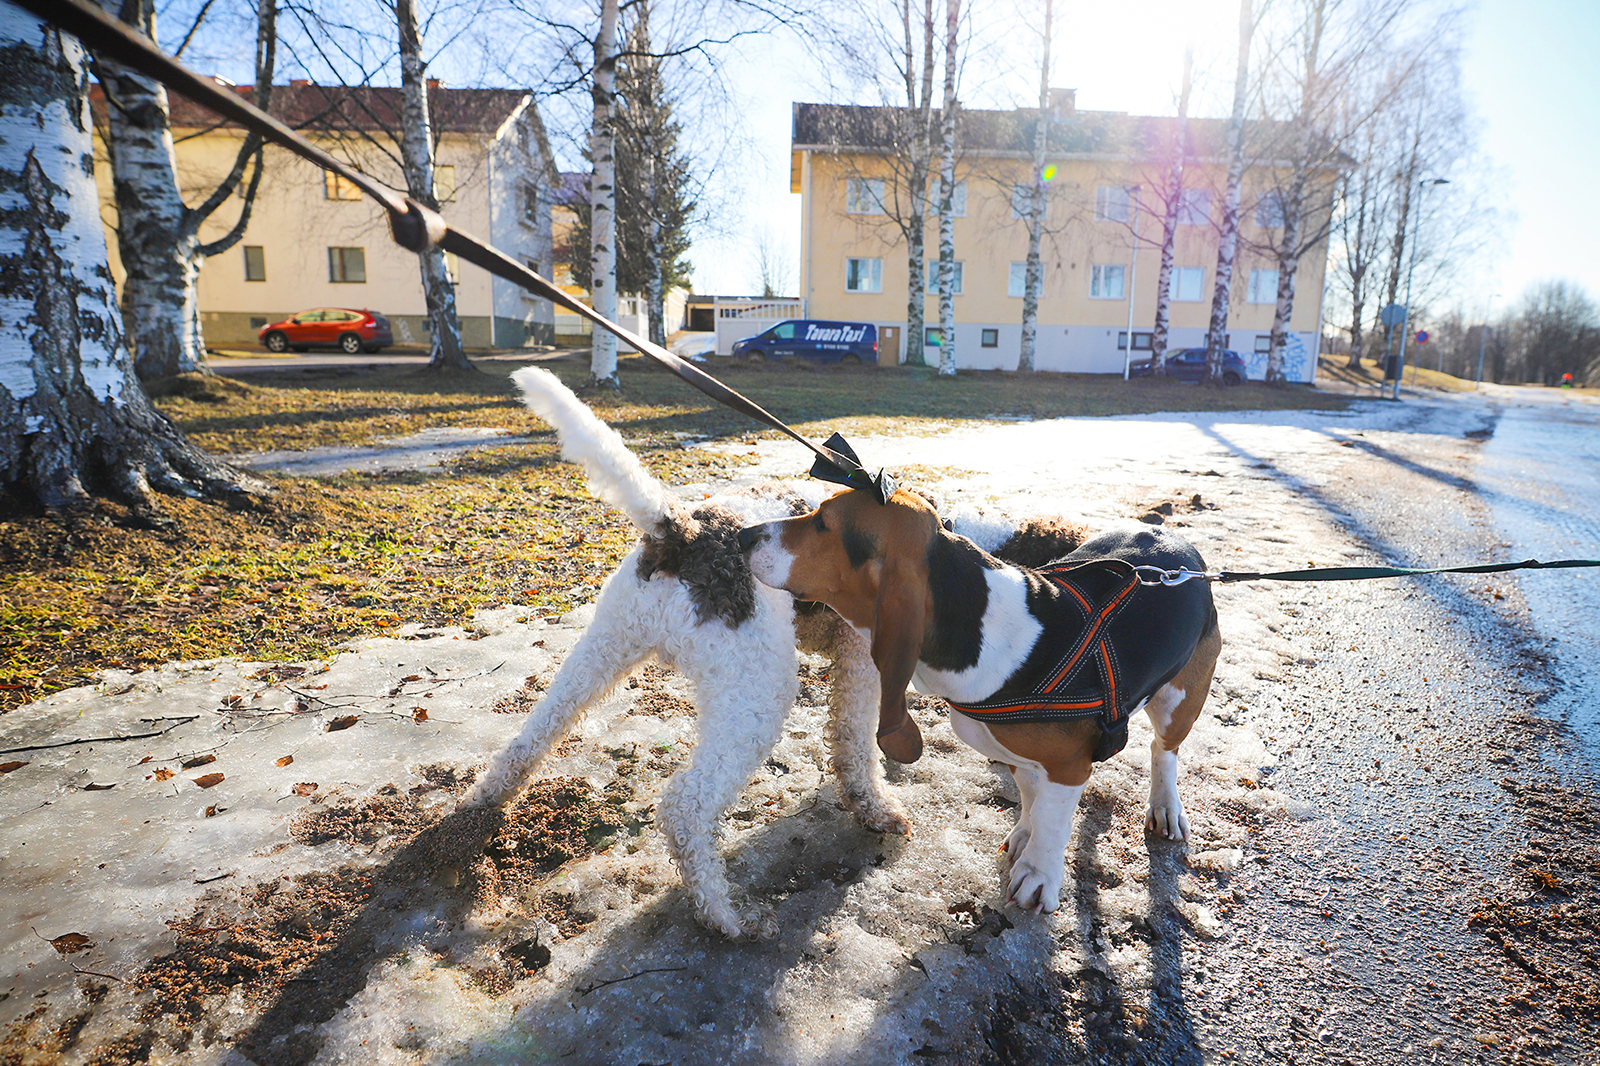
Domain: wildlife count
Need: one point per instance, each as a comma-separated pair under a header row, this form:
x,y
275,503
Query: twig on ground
x,y
176,722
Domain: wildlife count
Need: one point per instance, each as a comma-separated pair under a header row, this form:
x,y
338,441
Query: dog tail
x,y
615,474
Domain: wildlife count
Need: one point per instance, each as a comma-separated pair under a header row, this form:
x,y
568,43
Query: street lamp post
x,y
1483,338
1410,269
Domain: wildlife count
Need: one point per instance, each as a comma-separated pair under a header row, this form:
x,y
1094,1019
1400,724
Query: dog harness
x,y
1109,642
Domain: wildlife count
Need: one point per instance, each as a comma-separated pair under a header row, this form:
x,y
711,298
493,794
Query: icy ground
x,y
890,950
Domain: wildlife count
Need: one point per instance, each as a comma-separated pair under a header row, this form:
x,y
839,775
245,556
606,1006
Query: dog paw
x,y
1166,818
883,816
1017,842
1032,888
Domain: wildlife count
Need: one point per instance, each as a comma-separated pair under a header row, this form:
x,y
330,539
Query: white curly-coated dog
x,y
686,596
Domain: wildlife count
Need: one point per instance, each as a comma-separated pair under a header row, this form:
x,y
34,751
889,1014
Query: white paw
x,y
1166,817
883,815
1032,888
1017,842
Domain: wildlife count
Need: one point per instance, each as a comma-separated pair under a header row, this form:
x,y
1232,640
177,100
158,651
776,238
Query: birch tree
x,y
158,235
1033,271
1228,235
1169,223
417,162
74,423
603,200
947,186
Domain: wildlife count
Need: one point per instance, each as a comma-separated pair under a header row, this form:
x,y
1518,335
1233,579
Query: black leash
x,y
416,227
1154,575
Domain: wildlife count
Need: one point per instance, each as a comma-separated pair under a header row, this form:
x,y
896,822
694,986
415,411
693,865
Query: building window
x,y
1142,342
1263,287
932,338
991,338
1194,207
863,196
336,187
958,201
452,267
347,265
530,204
1263,342
863,275
256,321
1112,203
1187,283
1269,211
1017,280
1022,201
255,263
1105,281
444,184
933,277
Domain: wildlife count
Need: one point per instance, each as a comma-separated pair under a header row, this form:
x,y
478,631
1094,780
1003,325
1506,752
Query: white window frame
x,y
933,276
1113,203
863,196
989,338
1194,207
340,262
1270,210
867,278
444,182
1017,280
1263,287
1179,275
958,201
1100,281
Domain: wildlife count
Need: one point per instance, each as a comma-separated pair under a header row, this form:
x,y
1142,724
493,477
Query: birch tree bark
x,y
603,201
920,106
158,235
947,186
1294,200
74,422
1228,237
416,153
1169,225
1033,280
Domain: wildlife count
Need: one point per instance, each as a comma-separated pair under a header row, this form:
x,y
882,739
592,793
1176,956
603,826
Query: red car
x,y
329,327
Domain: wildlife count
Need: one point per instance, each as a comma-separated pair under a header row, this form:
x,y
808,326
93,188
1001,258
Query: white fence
x,y
738,319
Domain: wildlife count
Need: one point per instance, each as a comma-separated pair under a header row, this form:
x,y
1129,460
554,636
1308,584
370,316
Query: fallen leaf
x,y
305,788
207,780
7,767
98,788
342,723
285,761
419,714
199,760
71,943
411,677
163,774
144,760
213,810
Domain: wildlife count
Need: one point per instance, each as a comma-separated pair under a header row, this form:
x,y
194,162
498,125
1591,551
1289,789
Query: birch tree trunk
x,y
1034,270
921,107
416,154
603,200
947,186
1294,204
1228,238
1169,226
74,422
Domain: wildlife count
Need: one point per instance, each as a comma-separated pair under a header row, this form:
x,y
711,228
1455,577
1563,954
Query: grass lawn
x,y
323,560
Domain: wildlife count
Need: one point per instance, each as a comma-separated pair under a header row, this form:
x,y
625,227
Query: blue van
x,y
809,338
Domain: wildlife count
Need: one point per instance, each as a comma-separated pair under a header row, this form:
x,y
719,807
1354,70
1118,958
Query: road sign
x,y
1393,315
1422,336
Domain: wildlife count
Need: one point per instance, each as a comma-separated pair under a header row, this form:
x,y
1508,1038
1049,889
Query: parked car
x,y
809,338
329,327
1189,364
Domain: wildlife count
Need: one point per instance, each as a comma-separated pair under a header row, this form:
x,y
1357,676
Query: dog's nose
x,y
750,536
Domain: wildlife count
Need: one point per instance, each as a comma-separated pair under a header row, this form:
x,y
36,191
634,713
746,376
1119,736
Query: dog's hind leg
x,y
852,725
613,644
743,704
1173,711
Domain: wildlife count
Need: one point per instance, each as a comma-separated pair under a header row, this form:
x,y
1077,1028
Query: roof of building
x,y
303,105
1094,134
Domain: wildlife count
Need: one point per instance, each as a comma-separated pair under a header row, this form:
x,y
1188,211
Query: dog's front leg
x,y
1037,873
853,688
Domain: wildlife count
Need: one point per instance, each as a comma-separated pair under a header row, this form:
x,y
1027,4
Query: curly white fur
x,y
744,676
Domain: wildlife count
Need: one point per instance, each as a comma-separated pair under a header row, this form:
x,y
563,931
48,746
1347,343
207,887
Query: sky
x,y
1523,68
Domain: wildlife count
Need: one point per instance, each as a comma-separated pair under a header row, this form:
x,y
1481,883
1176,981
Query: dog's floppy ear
x,y
902,614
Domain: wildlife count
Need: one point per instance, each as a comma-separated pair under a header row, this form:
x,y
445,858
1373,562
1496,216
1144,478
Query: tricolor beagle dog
x,y
1043,666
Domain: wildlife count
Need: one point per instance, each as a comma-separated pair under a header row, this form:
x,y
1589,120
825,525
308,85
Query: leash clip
x,y
1154,575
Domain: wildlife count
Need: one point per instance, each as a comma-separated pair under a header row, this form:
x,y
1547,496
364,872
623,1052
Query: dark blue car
x,y
813,339
1189,364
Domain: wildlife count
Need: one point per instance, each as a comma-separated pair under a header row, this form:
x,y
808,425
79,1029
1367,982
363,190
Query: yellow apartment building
x,y
314,241
1101,247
